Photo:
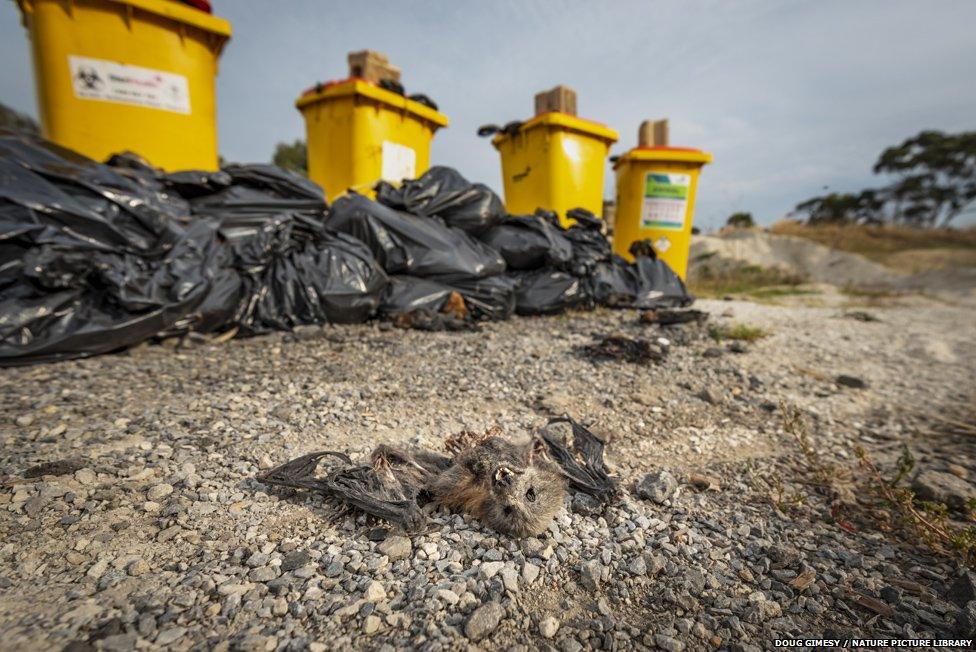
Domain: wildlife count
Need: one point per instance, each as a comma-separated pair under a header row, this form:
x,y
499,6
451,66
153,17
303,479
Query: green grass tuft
x,y
741,332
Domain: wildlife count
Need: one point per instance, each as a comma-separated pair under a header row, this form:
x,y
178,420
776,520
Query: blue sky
x,y
791,97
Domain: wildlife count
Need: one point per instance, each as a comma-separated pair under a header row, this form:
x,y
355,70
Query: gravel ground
x,y
147,528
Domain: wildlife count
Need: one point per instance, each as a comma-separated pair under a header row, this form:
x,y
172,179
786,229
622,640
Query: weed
x,y
748,280
869,292
782,291
928,520
771,484
866,493
736,332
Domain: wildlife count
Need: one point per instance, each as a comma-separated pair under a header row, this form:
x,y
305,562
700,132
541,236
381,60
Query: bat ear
x,y
538,450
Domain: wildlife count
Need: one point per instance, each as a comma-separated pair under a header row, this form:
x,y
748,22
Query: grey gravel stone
x,y
945,488
668,643
489,569
585,504
637,566
237,564
170,636
529,572
294,559
374,592
657,486
263,574
395,547
591,574
157,492
483,621
548,627
851,381
138,568
965,623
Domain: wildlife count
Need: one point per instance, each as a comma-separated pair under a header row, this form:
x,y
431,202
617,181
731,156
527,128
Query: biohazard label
x,y
108,81
665,200
399,162
662,245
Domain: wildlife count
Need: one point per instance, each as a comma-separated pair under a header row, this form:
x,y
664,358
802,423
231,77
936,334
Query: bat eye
x,y
530,495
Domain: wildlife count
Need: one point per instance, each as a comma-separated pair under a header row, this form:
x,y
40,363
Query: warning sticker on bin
x,y
108,81
399,162
665,200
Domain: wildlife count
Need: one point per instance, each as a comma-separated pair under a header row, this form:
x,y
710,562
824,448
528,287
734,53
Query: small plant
x,y
929,521
864,492
772,485
741,332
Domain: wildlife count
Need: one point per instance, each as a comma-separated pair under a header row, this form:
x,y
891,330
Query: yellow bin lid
x,y
669,154
356,86
176,11
567,122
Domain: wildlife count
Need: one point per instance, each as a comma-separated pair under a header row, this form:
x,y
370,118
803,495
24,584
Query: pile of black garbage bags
x,y
99,257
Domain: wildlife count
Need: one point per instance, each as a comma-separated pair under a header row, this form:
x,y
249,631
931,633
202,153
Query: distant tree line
x,y
741,221
934,183
16,121
292,156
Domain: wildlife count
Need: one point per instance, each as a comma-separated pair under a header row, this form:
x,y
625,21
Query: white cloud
x,y
790,96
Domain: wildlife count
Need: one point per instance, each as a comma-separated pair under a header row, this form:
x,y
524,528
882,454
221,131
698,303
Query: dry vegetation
x,y
887,245
751,281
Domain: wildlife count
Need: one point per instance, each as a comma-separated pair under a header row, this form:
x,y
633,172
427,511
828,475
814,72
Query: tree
x,y
16,121
936,177
740,221
934,183
865,207
292,156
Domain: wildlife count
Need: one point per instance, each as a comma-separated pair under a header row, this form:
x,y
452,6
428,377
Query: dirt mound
x,y
814,262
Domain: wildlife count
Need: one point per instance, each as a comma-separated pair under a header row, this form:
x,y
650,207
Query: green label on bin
x,y
665,200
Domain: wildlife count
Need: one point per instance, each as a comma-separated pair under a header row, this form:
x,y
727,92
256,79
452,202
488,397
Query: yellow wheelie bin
x,y
139,75
555,161
358,133
656,189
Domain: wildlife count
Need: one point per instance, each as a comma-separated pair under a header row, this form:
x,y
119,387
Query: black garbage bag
x,y
528,242
72,201
334,280
91,262
548,292
239,200
612,283
78,303
590,246
423,99
491,298
260,201
276,181
442,192
295,274
407,294
153,181
191,184
293,269
657,284
413,245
